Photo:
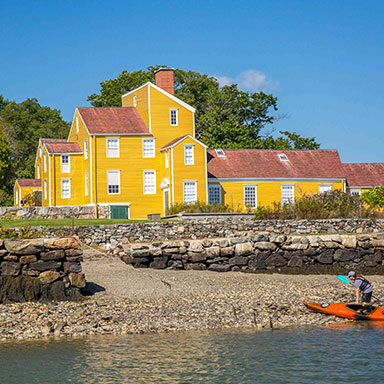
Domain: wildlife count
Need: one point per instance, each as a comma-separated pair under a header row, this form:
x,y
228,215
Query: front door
x,y
166,200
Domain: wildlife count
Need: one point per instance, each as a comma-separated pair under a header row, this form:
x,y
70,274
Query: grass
x,y
13,223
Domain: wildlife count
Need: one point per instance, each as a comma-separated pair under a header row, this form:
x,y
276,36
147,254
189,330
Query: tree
x,y
374,197
226,117
24,124
5,162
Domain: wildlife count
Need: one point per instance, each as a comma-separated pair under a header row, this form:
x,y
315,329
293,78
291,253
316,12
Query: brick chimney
x,y
165,80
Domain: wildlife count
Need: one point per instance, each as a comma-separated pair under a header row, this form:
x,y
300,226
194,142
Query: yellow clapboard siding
x,y
142,104
267,192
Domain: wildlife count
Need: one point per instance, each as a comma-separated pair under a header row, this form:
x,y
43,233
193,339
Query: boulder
x,y
10,268
295,261
48,277
243,249
159,262
71,266
197,257
265,245
45,265
62,243
219,267
238,260
212,252
52,255
226,251
275,260
325,257
24,247
344,255
196,246
348,241
28,259
77,280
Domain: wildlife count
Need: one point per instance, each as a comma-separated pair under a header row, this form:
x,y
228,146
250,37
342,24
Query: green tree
x,y
374,197
24,124
226,117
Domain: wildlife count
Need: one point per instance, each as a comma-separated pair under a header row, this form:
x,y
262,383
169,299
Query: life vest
x,y
364,282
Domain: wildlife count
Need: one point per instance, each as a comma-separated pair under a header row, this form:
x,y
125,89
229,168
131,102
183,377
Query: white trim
x,y
149,111
193,120
86,183
255,187
38,171
134,100
206,175
329,187
361,186
122,134
195,184
166,159
278,180
172,97
50,180
176,110
153,155
113,171
173,179
193,154
106,204
169,200
114,138
45,189
91,168
69,163
155,181
61,185
181,140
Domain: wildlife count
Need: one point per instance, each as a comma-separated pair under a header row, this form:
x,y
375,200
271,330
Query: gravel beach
x,y
124,300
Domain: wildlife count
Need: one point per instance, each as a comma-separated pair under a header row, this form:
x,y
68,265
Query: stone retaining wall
x,y
264,252
39,270
78,212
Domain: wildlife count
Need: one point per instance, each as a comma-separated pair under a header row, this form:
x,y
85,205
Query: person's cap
x,y
351,273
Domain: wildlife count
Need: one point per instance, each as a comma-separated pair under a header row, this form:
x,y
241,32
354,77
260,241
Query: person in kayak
x,y
363,285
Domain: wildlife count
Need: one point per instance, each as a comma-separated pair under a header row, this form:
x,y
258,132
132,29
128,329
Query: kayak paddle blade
x,y
344,279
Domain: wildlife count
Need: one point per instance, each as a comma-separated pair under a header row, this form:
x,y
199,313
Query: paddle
x,y
345,280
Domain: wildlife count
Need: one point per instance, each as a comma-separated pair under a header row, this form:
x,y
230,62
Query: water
x,y
336,354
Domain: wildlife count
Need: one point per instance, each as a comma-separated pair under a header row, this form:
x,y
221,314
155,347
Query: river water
x,y
346,353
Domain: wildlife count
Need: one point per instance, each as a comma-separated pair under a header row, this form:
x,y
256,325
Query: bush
x,y
328,205
198,207
374,198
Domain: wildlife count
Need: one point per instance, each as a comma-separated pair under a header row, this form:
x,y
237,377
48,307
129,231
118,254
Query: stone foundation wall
x,y
40,270
78,212
264,252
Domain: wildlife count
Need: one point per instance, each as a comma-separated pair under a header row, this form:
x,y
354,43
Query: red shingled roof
x,y
364,175
256,163
45,141
64,147
29,182
113,120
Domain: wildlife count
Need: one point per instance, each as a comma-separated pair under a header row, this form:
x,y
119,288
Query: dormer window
x,y
173,116
220,153
283,157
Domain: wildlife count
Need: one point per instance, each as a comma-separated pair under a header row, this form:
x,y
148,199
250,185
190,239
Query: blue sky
x,y
324,60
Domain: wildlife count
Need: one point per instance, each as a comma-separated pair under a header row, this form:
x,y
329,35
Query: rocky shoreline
x,y
125,300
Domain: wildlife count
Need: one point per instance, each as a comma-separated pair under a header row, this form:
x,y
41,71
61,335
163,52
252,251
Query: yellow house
x,y
249,178
27,192
143,157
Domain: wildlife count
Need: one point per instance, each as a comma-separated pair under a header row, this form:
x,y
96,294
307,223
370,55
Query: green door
x,y
119,211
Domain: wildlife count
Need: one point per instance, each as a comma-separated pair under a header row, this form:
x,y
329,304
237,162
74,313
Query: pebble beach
x,y
121,300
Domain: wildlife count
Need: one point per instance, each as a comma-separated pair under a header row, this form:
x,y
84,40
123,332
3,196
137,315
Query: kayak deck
x,y
349,310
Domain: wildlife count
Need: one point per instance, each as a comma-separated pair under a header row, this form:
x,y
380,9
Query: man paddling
x,y
363,285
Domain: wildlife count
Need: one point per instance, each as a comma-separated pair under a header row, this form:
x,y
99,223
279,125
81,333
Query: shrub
x,y
328,205
374,197
198,207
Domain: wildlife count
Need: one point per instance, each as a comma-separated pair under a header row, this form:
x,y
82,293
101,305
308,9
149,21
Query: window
x,y
134,101
86,183
220,153
65,188
148,147
45,162
287,194
86,149
355,192
190,192
65,164
250,197
38,171
189,158
149,181
45,189
77,124
283,157
113,179
113,147
214,194
166,156
325,188
173,116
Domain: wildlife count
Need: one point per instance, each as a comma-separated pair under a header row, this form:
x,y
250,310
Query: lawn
x,y
12,223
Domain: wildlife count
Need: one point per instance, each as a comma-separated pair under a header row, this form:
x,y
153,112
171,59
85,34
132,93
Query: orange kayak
x,y
349,311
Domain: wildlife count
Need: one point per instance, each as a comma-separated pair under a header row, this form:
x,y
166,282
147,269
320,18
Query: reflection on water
x,y
350,352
